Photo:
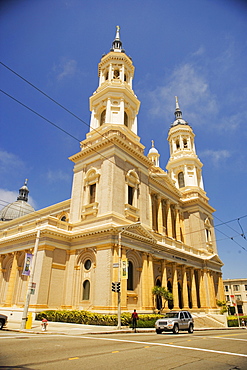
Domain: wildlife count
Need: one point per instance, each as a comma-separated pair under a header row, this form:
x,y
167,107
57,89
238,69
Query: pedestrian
x,y
243,324
44,324
134,320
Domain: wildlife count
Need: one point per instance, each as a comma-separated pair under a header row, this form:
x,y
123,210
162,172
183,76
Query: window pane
x,y
130,195
130,285
86,290
92,193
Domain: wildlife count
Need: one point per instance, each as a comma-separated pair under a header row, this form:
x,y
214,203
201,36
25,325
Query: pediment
x,y
138,232
215,258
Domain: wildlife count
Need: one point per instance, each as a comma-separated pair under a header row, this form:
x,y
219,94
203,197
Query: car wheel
x,y
191,329
176,329
1,324
158,331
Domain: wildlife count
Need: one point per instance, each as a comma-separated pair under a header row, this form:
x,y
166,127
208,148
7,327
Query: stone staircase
x,y
209,321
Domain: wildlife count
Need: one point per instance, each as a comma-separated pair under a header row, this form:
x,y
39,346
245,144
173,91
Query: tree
x,y
162,293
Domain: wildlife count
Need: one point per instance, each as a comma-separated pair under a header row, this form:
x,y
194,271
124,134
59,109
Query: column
x,y
221,293
144,281
164,275
177,224
150,281
185,289
12,279
175,287
193,289
212,290
202,290
160,221
67,304
169,220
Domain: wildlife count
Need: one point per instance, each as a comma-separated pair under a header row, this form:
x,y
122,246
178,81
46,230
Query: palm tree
x,y
161,292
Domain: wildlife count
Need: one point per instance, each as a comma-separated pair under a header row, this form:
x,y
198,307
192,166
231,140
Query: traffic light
x,y
115,286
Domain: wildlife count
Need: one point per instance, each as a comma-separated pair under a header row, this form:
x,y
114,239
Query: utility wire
x,y
55,125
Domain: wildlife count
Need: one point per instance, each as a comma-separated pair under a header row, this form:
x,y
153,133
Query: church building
x,y
128,220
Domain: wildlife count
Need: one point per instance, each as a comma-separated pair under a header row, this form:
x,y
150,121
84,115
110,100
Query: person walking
x,y
134,320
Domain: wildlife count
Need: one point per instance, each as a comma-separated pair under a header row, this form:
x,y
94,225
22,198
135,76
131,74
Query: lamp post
x,y
29,290
120,266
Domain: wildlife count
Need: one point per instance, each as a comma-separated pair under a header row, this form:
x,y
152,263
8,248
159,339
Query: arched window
x,y
126,119
177,144
130,281
106,76
86,290
102,117
181,180
185,143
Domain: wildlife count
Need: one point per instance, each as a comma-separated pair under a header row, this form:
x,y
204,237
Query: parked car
x,y
3,320
175,321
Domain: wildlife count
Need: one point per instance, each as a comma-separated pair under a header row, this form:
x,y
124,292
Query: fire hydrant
x,y
44,324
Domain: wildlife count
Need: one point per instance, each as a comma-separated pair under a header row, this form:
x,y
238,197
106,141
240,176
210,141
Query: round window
x,y
87,264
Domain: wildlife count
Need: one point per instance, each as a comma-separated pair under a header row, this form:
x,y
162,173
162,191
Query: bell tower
x,y
184,166
114,101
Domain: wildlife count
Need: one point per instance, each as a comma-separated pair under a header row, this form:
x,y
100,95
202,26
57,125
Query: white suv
x,y
175,321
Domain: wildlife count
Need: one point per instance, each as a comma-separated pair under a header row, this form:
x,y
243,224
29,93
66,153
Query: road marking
x,y
115,351
162,345
221,337
74,358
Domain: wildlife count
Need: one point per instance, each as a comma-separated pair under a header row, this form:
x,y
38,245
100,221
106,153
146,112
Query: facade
x,y
236,294
124,210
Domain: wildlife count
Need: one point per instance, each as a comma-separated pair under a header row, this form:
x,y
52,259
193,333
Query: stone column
x,y
175,287
185,289
68,296
212,289
12,281
169,220
202,291
150,281
221,293
177,223
144,281
160,221
164,275
193,289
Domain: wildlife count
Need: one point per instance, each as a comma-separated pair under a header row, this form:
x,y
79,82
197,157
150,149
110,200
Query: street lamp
x,y
123,228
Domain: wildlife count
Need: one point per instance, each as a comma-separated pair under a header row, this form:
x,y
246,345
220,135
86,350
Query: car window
x,y
189,315
186,315
171,315
181,315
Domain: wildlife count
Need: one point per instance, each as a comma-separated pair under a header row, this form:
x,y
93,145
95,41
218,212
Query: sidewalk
x,y
71,329
79,329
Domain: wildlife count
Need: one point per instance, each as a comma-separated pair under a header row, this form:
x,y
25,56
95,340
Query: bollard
x,y
29,321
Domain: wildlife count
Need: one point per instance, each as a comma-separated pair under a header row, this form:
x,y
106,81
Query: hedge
x,y
89,318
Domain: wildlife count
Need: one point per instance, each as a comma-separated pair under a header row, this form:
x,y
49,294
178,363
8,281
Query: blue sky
x,y
195,49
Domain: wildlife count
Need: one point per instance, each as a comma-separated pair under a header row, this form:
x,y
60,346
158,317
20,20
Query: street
x,y
211,349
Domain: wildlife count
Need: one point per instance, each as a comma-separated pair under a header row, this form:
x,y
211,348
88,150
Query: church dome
x,y
19,208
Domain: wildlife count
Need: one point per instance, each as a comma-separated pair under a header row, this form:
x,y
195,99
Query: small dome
x,y
14,210
18,208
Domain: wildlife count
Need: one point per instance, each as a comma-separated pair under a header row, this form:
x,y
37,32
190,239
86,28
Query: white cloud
x,y
54,176
7,196
8,161
191,86
66,68
216,156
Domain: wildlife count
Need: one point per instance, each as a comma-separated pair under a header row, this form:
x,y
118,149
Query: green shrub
x,y
90,318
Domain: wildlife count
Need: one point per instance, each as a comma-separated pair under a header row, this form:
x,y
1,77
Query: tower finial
x,y
178,112
117,43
